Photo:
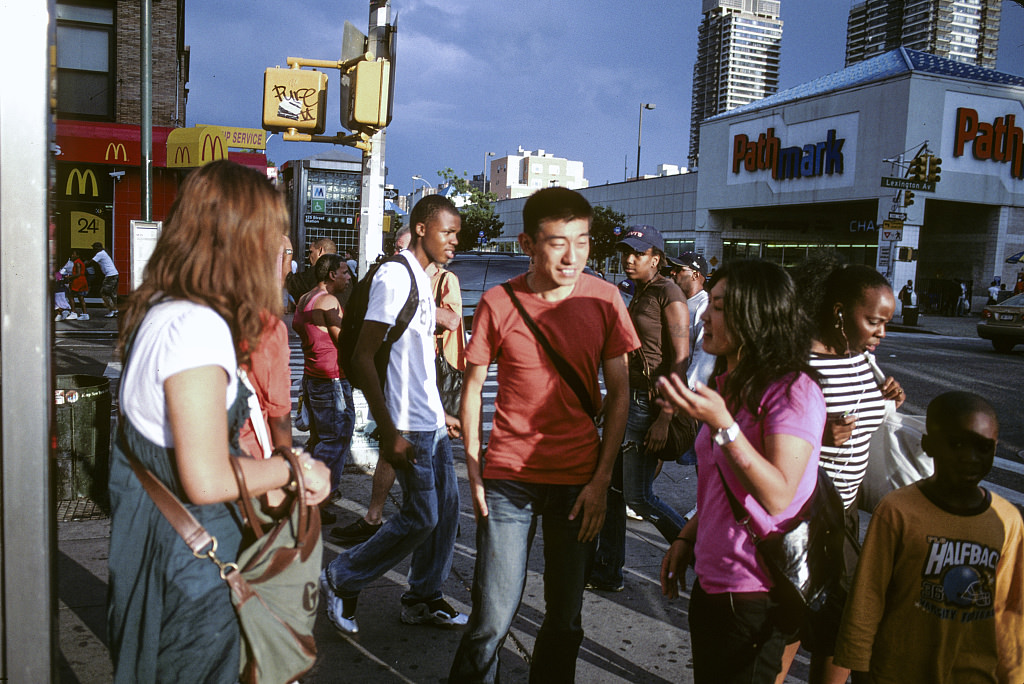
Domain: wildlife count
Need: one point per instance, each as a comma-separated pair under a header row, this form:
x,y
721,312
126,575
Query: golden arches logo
x,y
118,150
182,155
82,177
216,145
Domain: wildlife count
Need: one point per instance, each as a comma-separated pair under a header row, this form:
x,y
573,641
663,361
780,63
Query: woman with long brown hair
x,y
763,423
184,333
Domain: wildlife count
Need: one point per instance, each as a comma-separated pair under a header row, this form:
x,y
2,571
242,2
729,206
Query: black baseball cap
x,y
690,260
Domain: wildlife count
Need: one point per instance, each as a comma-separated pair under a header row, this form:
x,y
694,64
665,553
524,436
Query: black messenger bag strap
x,y
563,367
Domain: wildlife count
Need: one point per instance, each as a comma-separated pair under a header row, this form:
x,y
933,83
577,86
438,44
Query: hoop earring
x,y
839,320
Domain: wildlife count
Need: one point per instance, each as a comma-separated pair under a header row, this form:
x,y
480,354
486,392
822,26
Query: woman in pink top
x,y
761,438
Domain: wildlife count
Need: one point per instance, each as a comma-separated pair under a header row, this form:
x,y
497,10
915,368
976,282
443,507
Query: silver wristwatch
x,y
727,435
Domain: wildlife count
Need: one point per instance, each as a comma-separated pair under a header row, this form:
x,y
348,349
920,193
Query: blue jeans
x,y
425,526
503,541
332,417
633,486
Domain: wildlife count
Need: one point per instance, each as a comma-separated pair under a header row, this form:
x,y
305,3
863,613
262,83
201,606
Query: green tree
x,y
477,213
602,234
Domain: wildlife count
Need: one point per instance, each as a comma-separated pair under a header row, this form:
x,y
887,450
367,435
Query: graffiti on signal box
x,y
298,104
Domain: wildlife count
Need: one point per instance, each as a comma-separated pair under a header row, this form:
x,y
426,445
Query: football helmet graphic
x,y
964,587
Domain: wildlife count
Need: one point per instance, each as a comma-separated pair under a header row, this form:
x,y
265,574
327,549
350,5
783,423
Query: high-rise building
x,y
522,174
738,47
962,30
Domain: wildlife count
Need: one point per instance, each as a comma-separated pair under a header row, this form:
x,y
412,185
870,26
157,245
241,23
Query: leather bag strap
x,y
179,517
564,368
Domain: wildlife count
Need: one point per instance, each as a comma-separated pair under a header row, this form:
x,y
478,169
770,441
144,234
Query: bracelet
x,y
293,481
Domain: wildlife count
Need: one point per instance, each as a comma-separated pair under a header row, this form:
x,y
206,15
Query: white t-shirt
x,y
702,364
411,388
105,263
175,336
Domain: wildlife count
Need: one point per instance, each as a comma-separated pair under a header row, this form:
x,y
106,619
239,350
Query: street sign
x,y
390,193
892,231
907,184
897,215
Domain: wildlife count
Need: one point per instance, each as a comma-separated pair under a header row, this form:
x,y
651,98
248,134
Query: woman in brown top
x,y
659,314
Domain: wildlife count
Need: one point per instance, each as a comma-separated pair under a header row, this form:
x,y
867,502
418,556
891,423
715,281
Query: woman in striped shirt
x,y
849,307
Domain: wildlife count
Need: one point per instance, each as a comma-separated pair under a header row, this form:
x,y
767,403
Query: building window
x,y
85,60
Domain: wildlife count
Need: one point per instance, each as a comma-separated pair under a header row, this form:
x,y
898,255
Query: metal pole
x,y
28,534
486,155
371,199
639,130
146,124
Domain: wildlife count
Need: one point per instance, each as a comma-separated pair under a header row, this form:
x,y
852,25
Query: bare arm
x,y
773,477
327,316
199,426
447,319
593,499
677,321
394,448
472,386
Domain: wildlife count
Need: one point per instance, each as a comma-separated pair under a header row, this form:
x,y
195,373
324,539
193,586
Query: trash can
x,y
910,314
83,438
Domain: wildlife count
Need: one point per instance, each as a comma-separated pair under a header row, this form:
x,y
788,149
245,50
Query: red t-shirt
x,y
540,432
271,378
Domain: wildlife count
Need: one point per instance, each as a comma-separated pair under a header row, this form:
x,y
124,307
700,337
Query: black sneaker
x,y
435,612
600,586
356,533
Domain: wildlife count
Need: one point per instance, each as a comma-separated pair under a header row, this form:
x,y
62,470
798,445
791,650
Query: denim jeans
x,y
633,486
425,526
332,417
503,541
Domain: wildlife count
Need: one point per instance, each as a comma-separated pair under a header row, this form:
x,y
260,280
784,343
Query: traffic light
x,y
294,98
908,197
366,94
918,169
934,168
905,254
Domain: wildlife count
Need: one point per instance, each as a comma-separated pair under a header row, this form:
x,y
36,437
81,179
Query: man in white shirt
x,y
690,271
108,289
413,436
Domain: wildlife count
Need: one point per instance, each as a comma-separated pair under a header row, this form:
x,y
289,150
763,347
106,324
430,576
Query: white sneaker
x,y
83,317
112,314
337,608
633,515
71,316
59,317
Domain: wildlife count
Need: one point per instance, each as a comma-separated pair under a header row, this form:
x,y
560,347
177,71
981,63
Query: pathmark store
x,y
908,162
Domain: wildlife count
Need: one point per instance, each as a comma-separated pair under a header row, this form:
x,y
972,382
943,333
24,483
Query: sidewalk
x,y
634,636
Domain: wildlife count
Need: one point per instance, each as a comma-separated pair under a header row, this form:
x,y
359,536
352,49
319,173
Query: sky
x,y
478,76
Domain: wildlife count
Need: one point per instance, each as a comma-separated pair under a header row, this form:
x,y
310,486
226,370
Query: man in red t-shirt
x,y
545,456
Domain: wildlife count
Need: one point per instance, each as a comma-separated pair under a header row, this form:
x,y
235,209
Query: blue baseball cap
x,y
642,238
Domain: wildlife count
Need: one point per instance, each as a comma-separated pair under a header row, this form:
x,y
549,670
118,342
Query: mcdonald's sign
x,y
83,177
191,147
118,151
182,156
212,141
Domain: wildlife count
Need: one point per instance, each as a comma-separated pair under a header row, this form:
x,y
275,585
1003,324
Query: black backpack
x,y
355,314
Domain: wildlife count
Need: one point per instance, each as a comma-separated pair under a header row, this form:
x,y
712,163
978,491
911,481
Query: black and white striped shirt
x,y
849,386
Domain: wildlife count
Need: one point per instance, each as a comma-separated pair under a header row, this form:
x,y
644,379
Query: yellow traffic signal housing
x,y
934,168
294,98
908,198
368,90
918,169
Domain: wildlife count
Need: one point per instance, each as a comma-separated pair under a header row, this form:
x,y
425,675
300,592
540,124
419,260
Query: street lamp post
x,y
425,186
639,130
488,154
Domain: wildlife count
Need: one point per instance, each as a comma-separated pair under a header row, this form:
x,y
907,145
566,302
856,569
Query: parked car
x,y
480,271
1003,323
